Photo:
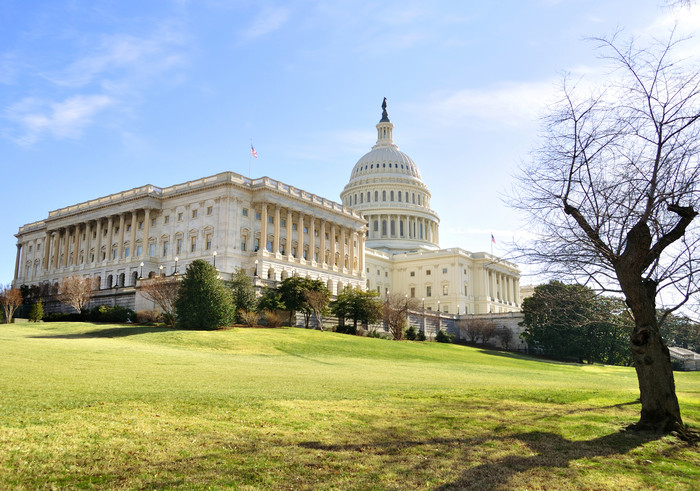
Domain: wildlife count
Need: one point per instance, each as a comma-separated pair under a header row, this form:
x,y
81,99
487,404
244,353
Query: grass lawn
x,y
105,406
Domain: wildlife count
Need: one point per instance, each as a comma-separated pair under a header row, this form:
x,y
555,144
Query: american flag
x,y
493,239
253,152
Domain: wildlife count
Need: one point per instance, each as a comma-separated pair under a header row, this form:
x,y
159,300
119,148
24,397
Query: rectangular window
x,y
194,213
245,212
316,256
128,228
38,247
116,229
326,235
244,244
193,244
208,242
166,219
315,233
153,222
428,291
294,226
126,251
465,290
413,273
151,249
269,246
283,222
306,254
306,230
444,270
210,210
270,219
166,244
256,245
114,253
444,289
294,252
104,233
139,250
428,272
178,246
413,289
179,217
257,215
140,225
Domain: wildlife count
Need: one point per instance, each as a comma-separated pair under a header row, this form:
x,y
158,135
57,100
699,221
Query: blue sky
x,y
99,96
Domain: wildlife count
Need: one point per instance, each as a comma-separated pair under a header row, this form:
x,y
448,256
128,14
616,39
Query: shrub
x,y
410,333
61,317
117,314
148,316
272,318
444,337
249,317
346,329
420,336
37,312
376,333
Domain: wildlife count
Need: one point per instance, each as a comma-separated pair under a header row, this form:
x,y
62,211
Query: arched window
x,y
393,227
383,195
356,199
362,198
376,226
368,195
391,196
383,227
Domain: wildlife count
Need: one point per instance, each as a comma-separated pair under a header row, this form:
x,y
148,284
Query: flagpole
x,y
250,157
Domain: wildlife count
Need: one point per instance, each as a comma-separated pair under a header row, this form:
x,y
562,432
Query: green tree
x,y
680,331
293,294
317,300
37,311
203,301
571,322
243,293
362,307
270,300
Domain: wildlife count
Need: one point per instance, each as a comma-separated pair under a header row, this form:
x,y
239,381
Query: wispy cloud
x,y
66,119
268,20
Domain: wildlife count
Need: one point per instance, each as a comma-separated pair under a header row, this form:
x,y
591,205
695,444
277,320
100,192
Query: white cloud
x,y
66,119
267,21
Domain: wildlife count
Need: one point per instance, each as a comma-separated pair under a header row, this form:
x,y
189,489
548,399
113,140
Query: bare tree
x,y
163,291
612,194
318,300
10,300
76,291
395,313
477,329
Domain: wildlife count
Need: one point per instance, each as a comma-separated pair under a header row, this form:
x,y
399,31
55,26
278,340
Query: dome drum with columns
x,y
386,187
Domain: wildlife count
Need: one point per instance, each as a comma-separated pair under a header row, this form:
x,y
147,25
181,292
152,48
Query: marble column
x,y
120,245
276,243
263,228
146,231
132,236
289,234
312,237
98,241
17,260
333,243
322,233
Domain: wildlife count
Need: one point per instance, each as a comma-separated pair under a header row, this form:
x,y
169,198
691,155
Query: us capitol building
x,y
384,236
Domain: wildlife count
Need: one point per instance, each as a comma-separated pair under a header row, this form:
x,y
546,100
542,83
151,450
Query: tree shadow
x,y
548,450
108,332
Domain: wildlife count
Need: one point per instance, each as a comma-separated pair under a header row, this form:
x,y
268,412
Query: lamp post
x,y
176,259
161,269
423,312
141,269
256,268
214,259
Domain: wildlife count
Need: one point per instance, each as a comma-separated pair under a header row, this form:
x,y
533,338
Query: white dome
x,y
386,187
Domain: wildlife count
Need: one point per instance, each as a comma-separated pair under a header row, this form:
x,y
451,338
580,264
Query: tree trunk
x,y
652,361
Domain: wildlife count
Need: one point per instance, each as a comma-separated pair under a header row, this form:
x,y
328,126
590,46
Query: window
x,y
391,196
306,230
270,219
294,252
399,193
376,196
194,213
153,222
326,235
269,246
126,251
257,215
383,195
208,242
244,243
428,291
210,210
256,245
178,246
140,225
245,212
383,227
128,227
114,253
413,292
393,227
465,290
444,289
306,254
166,219
166,244
294,226
283,222
139,250
152,249
428,272
116,229
316,253
179,217
38,247
193,244
315,232
376,226
444,270
413,273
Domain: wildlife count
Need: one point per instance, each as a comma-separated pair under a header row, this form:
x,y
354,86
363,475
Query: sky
x,y
101,96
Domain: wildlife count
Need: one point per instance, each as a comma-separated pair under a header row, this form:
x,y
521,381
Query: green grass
x,y
100,406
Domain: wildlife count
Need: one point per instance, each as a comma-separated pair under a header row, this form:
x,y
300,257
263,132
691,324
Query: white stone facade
x,y
266,227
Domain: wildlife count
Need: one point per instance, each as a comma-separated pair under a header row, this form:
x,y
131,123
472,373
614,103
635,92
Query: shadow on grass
x,y
108,332
544,450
